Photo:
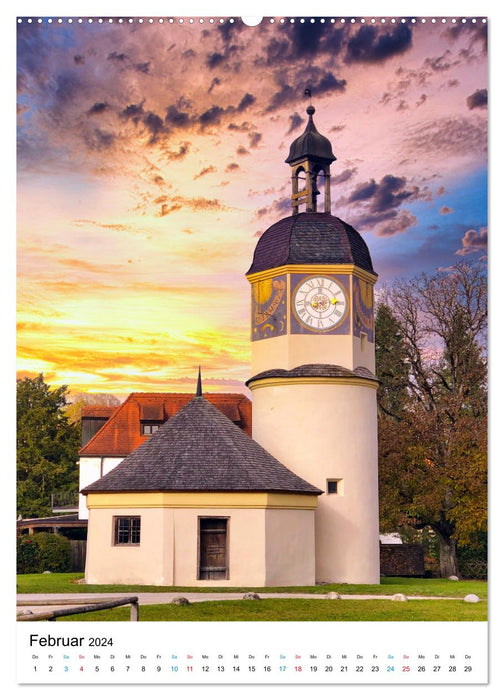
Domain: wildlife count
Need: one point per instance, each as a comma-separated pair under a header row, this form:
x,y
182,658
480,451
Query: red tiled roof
x,y
121,433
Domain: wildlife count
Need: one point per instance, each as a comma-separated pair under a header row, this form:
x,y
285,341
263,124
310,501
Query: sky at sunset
x,y
151,158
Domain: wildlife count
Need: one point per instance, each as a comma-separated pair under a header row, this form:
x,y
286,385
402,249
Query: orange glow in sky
x,y
152,156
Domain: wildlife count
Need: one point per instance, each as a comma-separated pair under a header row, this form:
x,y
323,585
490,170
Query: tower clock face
x,y
320,303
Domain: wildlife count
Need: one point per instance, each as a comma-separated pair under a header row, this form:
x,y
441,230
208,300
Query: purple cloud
x,y
478,99
473,242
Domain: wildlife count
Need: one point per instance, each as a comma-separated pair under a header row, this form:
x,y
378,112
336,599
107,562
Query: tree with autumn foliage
x,y
431,360
47,446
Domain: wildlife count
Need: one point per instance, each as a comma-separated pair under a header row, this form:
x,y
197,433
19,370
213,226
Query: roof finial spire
x,y
310,158
199,391
310,109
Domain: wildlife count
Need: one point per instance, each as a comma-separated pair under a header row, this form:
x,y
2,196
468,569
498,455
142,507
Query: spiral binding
x,y
270,20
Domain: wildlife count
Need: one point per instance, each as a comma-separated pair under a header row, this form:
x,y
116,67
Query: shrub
x,y
28,560
472,558
55,552
43,551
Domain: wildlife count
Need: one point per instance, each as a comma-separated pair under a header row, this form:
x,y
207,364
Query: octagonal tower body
x,y
313,364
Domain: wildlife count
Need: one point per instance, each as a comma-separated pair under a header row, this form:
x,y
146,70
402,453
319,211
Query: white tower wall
x,y
326,429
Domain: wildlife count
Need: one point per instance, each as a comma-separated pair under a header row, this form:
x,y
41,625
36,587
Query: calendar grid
x,y
273,653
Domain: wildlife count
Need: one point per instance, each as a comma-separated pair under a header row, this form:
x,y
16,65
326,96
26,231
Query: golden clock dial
x,y
320,303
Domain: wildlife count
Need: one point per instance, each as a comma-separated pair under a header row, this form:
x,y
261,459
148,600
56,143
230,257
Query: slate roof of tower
x,y
315,370
313,238
121,434
199,449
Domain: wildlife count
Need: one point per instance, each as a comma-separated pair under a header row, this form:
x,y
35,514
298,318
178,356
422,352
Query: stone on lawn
x,y
399,597
453,578
180,601
251,596
471,598
333,595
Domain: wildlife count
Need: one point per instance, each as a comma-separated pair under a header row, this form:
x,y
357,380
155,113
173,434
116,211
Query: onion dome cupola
x,y
310,158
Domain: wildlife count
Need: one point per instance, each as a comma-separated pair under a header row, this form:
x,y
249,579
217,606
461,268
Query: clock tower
x,y
313,363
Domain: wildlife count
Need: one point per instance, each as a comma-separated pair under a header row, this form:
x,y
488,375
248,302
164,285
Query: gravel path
x,y
52,601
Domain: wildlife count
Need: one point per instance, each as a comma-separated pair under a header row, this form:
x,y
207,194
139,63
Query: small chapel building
x,y
201,503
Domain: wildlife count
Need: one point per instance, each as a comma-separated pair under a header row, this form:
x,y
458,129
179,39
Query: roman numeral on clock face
x,y
320,303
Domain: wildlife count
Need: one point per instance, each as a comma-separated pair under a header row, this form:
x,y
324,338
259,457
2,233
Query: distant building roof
x,y
63,521
97,411
313,238
199,449
121,434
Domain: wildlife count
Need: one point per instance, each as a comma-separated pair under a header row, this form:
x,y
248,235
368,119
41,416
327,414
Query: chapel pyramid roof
x,y
199,449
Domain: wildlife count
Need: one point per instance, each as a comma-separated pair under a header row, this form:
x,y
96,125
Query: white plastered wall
x,y
290,547
266,547
326,431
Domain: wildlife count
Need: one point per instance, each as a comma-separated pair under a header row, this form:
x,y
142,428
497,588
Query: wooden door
x,y
213,555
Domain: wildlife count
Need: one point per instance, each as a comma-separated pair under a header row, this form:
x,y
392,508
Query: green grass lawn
x,y
299,610
66,583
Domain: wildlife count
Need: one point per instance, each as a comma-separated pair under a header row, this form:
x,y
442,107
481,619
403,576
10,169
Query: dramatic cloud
x,y
114,227
295,121
441,63
211,117
400,222
343,176
279,208
245,102
133,112
445,210
215,59
452,135
206,171
176,116
244,127
324,82
474,242
155,126
478,99
182,151
254,139
374,45
475,33
99,140
97,108
380,202
306,38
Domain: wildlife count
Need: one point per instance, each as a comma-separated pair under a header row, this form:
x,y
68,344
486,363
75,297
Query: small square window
x,y
127,530
149,428
334,486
